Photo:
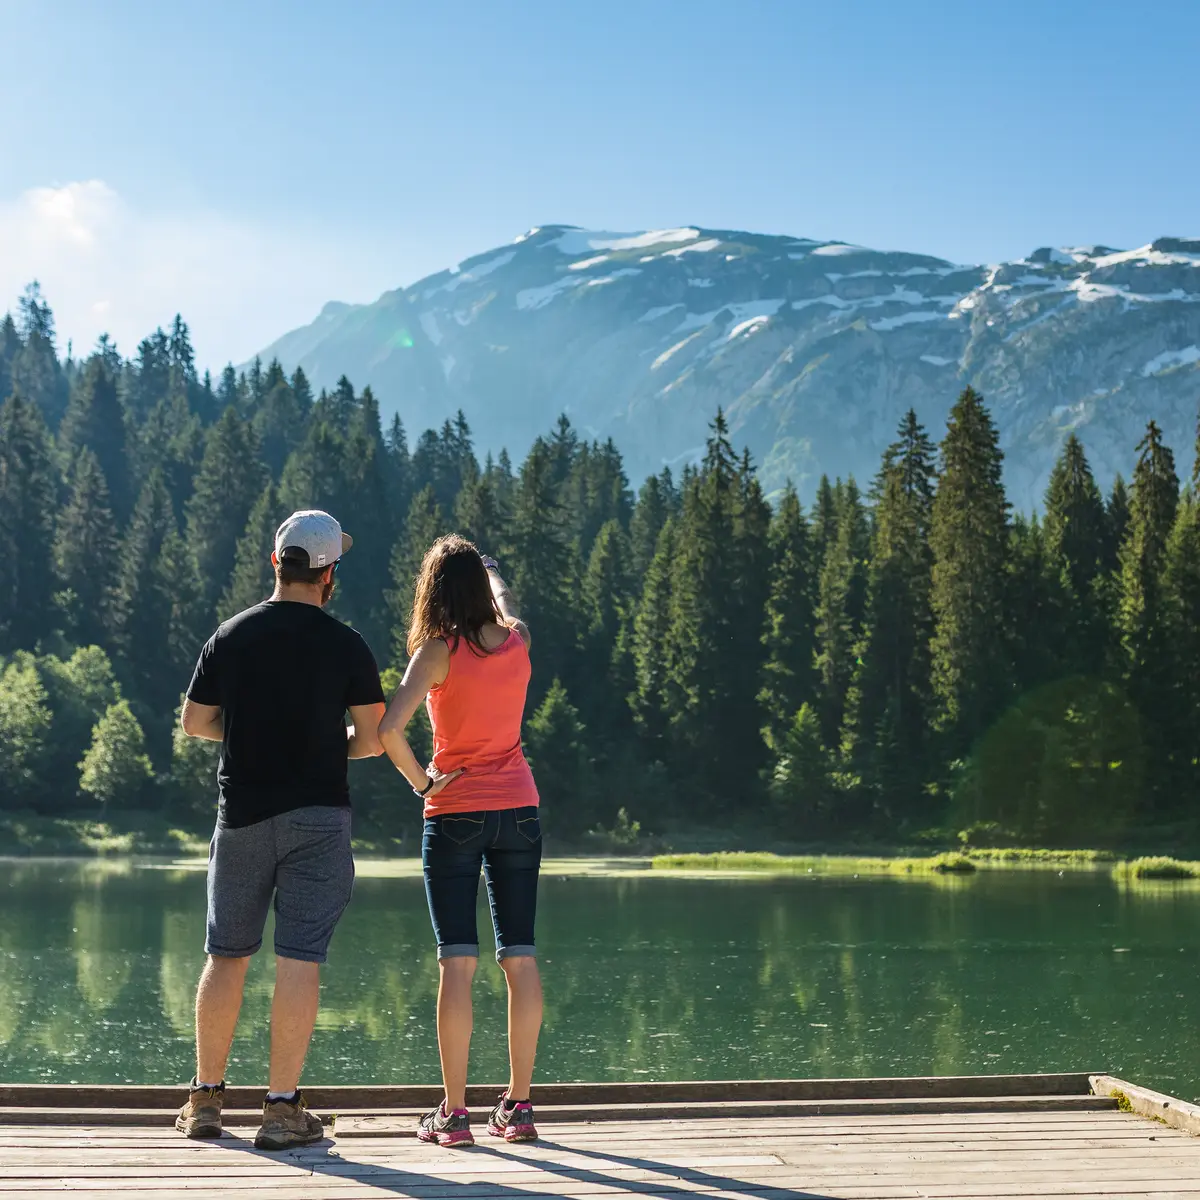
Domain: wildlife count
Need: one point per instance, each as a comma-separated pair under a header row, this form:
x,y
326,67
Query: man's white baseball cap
x,y
311,538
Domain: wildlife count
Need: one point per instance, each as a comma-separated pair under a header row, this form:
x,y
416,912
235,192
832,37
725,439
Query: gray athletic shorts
x,y
303,859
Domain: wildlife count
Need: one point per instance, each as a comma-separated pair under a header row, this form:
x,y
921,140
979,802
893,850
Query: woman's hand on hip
x,y
439,780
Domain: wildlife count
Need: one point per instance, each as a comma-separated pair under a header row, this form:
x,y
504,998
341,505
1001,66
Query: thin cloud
x,y
107,268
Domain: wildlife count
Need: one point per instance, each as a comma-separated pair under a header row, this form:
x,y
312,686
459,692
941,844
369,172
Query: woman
x,y
469,661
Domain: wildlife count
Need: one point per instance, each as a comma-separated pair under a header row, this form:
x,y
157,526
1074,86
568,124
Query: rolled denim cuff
x,y
504,952
459,950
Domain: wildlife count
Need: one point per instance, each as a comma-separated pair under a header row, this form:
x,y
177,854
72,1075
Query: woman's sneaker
x,y
447,1130
513,1122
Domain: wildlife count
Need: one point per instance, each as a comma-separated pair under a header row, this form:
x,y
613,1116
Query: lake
x,y
648,976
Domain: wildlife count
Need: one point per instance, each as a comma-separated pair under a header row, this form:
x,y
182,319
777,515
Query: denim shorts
x,y
507,845
300,859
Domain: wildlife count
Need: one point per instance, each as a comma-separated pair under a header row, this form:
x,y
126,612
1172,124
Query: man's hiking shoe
x,y
200,1117
447,1130
514,1123
288,1123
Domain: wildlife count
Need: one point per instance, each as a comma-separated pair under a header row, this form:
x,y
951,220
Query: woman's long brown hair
x,y
453,597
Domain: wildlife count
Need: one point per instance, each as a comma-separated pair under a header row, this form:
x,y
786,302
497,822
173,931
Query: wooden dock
x,y
991,1136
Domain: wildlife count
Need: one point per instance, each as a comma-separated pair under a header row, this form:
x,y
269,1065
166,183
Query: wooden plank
x,y
1179,1114
361,1123
348,1125
40,1095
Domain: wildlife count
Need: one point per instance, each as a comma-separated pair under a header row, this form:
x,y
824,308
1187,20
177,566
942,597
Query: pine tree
x,y
10,344
603,673
801,791
146,600
29,501
1116,521
712,654
545,569
1141,617
253,578
554,740
824,522
657,501
399,467
95,421
479,512
789,633
969,537
1075,537
890,703
841,604
116,769
231,478
647,640
1181,601
424,525
36,371
86,558
279,421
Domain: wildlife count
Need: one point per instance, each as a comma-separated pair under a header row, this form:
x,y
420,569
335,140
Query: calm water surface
x,y
646,977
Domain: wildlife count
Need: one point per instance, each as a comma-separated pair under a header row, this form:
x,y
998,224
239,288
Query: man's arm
x,y
505,602
202,721
362,736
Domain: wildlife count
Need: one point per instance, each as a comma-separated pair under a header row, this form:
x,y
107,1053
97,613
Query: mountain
x,y
815,349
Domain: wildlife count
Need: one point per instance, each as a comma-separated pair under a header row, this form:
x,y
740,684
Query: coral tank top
x,y
476,716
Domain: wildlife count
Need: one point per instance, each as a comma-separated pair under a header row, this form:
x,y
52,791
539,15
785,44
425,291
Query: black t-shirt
x,y
283,674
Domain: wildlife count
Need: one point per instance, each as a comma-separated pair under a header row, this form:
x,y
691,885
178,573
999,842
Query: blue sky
x,y
243,163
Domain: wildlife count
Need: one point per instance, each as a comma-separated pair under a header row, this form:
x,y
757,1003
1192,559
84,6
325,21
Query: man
x,y
273,686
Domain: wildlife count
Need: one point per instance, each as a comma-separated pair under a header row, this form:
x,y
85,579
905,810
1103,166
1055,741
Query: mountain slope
x,y
815,349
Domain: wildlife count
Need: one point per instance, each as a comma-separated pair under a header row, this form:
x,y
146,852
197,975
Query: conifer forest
x,y
903,660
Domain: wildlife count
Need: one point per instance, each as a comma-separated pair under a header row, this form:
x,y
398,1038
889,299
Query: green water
x,y
646,977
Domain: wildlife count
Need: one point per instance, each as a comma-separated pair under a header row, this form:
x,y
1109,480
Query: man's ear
x,y
274,559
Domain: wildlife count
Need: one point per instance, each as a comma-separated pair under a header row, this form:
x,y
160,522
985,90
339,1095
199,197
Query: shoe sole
x,y
517,1133
271,1143
450,1141
199,1132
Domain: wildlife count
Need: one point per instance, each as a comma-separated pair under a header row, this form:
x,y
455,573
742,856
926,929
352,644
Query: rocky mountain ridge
x,y
815,349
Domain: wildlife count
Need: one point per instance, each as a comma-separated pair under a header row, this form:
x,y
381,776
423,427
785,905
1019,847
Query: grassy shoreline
x,y
130,834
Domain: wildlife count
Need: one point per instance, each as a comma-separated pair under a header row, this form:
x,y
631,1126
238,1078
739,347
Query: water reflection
x,y
658,978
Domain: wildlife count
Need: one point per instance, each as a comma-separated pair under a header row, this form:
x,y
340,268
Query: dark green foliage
x,y
841,603
87,563
890,702
29,485
35,370
253,577
912,661
969,537
554,742
424,524
789,680
1076,553
231,477
96,421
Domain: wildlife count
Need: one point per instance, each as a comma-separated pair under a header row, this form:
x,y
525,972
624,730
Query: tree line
x,y
895,665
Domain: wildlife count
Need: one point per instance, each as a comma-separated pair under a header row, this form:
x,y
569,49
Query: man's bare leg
x,y
218,1002
293,1015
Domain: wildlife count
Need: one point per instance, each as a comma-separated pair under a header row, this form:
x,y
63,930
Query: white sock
x,y
210,1086
273,1096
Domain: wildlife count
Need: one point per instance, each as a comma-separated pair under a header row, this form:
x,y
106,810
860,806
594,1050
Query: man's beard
x,y
327,592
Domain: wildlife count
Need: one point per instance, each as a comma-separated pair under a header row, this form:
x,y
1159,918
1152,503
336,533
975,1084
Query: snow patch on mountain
x,y
1171,358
